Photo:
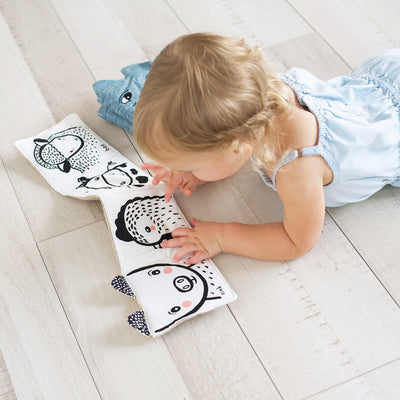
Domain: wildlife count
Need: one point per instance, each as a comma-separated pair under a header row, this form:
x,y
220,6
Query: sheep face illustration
x,y
74,148
147,221
172,292
57,152
115,176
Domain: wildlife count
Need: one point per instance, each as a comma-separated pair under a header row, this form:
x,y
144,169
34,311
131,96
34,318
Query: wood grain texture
x,y
380,384
323,327
24,113
310,320
356,29
124,364
37,342
6,387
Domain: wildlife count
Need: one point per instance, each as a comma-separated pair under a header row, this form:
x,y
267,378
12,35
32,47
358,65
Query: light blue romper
x,y
359,127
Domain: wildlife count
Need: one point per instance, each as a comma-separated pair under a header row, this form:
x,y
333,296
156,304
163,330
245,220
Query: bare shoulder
x,y
299,130
300,127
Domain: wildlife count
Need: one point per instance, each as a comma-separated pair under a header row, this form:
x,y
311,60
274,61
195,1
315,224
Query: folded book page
x,y
76,162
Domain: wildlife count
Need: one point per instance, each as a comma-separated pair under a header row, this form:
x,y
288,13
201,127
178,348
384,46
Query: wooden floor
x,y
324,327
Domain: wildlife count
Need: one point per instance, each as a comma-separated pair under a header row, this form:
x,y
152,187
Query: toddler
x,y
210,103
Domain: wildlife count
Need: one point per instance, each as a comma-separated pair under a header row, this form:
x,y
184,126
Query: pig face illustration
x,y
147,221
57,152
170,292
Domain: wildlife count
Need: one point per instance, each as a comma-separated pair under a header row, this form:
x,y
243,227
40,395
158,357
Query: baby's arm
x,y
300,186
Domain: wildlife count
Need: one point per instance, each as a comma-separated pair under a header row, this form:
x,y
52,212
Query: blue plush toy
x,y
118,98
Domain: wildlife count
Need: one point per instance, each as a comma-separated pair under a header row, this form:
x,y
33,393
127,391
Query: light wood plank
x,y
258,22
190,346
380,384
6,387
310,52
355,29
124,364
272,21
313,322
38,345
105,34
24,113
58,68
216,361
373,227
317,345
153,23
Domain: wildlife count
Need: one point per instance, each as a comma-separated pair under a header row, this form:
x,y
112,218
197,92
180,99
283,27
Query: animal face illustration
x,y
147,221
119,97
115,176
172,292
59,150
73,148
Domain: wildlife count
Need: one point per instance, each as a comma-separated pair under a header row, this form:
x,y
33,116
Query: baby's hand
x,y
200,242
185,181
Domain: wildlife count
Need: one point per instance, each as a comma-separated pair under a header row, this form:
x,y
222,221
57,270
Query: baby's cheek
x,y
186,304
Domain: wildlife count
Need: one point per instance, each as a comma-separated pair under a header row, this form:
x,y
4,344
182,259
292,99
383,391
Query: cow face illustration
x,y
115,176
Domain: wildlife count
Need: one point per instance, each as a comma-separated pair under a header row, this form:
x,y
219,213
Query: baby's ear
x,y
244,148
119,283
137,71
40,142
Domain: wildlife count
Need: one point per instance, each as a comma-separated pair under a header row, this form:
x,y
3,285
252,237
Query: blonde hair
x,y
204,92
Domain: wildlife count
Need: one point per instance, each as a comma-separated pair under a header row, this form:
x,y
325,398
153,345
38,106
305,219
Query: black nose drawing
x,y
166,236
184,284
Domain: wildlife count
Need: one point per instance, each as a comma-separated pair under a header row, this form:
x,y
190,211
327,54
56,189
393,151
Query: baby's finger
x,y
194,222
157,178
197,257
168,193
188,188
171,243
184,251
187,191
150,165
178,232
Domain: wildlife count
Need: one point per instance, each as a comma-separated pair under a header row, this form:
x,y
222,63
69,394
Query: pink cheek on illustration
x,y
153,228
167,270
186,304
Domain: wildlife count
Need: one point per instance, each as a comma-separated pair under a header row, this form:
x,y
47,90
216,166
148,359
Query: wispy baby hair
x,y
206,91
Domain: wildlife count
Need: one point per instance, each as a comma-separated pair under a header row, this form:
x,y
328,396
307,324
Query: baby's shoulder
x,y
299,128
